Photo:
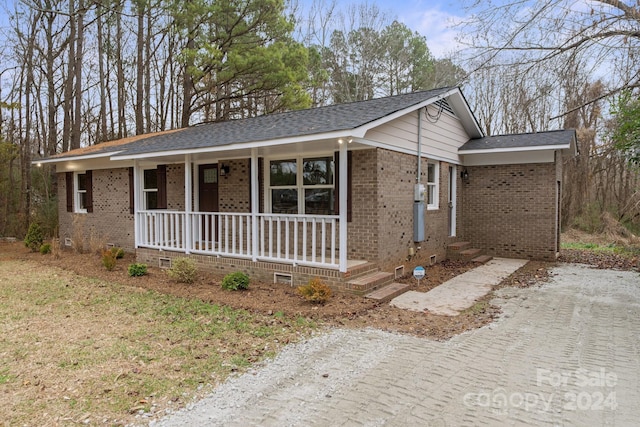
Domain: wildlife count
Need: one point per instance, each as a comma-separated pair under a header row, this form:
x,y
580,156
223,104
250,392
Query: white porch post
x,y
188,186
136,204
342,170
255,204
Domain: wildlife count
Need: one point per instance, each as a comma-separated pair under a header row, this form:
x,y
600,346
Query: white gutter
x,y
346,133
73,158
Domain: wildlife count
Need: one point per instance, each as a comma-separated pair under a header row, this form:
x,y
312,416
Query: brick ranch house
x,y
334,192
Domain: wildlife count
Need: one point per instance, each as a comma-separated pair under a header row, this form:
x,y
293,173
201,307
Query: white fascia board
x,y
515,149
75,158
468,120
347,133
377,144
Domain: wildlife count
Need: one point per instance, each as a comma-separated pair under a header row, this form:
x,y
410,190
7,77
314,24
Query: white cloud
x,y
437,25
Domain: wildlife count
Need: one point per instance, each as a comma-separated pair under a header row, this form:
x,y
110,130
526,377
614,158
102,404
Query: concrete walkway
x,y
562,354
461,292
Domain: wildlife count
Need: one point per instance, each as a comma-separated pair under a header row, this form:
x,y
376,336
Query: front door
x,y
208,198
208,188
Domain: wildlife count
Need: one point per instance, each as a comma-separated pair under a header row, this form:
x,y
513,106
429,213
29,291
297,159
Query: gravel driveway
x,y
566,353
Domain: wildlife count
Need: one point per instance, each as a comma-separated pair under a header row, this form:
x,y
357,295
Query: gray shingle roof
x,y
523,140
282,125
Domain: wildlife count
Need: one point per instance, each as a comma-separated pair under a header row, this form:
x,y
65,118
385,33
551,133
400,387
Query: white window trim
x,y
147,190
77,192
434,185
300,187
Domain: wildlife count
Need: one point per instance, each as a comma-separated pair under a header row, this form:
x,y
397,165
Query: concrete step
x,y
389,292
457,247
361,270
482,259
469,254
368,283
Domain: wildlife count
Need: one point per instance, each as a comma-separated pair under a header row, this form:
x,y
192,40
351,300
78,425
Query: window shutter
x,y
89,183
162,186
337,184
69,183
131,192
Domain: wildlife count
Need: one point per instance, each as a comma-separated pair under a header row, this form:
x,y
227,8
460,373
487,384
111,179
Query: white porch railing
x,y
293,239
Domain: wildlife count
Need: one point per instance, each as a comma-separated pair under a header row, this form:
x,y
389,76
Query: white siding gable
x,y
442,134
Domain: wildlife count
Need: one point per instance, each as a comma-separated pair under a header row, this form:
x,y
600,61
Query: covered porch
x,y
200,227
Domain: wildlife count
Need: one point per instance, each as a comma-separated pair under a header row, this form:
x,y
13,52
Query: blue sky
x,y
434,19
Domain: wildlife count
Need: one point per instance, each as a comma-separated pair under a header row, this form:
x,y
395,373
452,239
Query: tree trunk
x,y
68,87
122,124
76,132
139,68
101,134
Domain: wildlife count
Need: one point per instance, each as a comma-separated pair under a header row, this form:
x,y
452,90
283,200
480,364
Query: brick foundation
x,y
260,271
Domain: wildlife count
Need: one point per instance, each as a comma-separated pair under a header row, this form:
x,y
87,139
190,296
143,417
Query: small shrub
x,y
137,269
108,260
33,240
235,281
183,270
118,252
45,248
316,291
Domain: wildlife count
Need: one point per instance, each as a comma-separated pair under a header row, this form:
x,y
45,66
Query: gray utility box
x,y
418,221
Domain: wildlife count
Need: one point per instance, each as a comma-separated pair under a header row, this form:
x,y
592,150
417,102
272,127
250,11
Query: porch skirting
x,y
260,270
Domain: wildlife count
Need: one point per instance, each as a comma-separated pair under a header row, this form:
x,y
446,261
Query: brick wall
x,y
258,271
396,180
363,228
234,189
110,220
510,210
381,229
175,187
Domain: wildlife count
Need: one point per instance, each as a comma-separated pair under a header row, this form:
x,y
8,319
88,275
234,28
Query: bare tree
x,y
604,31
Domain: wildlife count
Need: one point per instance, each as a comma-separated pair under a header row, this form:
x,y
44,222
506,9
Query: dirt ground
x,y
342,310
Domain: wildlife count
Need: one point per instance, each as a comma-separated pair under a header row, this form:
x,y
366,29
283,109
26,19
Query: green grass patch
x,y
112,351
5,376
608,248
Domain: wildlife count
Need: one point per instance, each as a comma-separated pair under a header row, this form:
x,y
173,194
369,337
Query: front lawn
x,y
80,350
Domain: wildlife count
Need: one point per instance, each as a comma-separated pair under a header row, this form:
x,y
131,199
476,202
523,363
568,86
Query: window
x,y
433,174
310,192
150,189
81,192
